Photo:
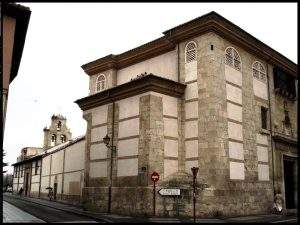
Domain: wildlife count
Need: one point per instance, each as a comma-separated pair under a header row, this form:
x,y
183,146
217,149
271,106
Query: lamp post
x,y
112,148
194,171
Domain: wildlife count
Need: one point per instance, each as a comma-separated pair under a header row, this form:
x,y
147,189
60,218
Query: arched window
x,y
59,125
53,139
62,138
190,52
258,71
232,58
100,83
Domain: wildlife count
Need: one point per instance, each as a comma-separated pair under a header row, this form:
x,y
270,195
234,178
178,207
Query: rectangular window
x,y
264,113
36,168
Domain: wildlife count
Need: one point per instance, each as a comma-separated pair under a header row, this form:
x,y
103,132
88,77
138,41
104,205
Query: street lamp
x,y
106,141
194,171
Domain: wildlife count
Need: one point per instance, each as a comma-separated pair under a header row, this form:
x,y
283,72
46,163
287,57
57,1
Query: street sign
x,y
154,176
169,191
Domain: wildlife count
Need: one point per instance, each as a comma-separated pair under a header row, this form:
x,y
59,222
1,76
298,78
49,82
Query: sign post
x,y
194,171
154,178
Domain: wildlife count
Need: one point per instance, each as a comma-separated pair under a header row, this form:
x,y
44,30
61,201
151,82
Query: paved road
x,y
12,214
47,214
40,210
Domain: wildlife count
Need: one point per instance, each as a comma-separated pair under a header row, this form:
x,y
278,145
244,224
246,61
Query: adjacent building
x,y
58,164
206,94
15,19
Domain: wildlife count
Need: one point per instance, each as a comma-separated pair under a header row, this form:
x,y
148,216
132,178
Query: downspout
x,y
178,61
111,159
271,127
40,177
18,172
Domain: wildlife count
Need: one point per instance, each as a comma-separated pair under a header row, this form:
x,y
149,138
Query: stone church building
x,y
206,94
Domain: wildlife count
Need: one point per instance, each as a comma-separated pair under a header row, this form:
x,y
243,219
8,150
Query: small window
x,y
258,71
53,139
16,171
264,113
232,58
22,169
190,52
62,138
100,83
59,125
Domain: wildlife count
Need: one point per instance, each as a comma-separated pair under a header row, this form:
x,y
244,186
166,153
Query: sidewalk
x,y
111,218
12,214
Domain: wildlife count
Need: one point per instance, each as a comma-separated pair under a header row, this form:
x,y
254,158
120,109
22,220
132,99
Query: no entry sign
x,y
154,176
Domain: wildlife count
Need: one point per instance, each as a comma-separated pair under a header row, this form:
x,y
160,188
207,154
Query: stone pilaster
x,y
151,143
112,115
88,118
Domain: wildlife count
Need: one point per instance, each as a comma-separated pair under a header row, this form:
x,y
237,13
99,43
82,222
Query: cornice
x,y
141,85
211,22
146,51
285,139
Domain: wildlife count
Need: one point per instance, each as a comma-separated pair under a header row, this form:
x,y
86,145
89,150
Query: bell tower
x,y
57,133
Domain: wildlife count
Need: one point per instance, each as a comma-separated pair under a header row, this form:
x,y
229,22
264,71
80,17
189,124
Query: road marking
x,y
282,221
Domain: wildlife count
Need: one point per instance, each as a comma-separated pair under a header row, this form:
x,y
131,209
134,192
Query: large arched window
x,y
232,58
258,71
100,83
190,52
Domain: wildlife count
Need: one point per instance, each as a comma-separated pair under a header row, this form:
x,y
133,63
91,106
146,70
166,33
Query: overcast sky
x,y
63,36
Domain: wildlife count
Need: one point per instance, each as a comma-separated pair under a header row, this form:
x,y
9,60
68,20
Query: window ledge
x,y
264,131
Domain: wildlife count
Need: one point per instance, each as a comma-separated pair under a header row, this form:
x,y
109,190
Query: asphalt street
x,y
47,214
41,210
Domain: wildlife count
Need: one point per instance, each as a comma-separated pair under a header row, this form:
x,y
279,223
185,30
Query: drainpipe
x,y
111,159
271,128
178,61
40,178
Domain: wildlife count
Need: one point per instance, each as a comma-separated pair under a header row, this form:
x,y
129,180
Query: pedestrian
x,y
278,203
21,191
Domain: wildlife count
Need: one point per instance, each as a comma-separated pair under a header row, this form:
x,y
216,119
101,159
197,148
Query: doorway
x,y
55,190
26,183
289,183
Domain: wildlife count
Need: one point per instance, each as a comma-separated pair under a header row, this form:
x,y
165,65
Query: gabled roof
x,y
211,22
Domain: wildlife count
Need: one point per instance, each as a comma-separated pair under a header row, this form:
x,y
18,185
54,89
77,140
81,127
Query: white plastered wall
x,y
72,177
164,65
170,167
260,89
99,115
98,169
127,167
98,133
234,80
57,162
98,151
46,165
75,156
